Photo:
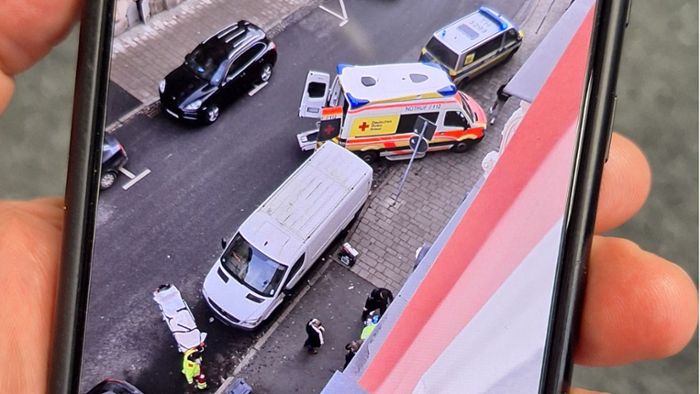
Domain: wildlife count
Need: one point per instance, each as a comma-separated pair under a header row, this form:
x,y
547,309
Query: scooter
x,y
179,318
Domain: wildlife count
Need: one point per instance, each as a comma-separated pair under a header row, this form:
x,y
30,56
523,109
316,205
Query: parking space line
x,y
343,16
134,178
257,89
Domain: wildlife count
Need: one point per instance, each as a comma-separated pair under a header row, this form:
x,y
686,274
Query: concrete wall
x,y
129,13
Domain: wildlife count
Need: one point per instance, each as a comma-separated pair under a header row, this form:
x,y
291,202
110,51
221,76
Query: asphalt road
x,y
204,183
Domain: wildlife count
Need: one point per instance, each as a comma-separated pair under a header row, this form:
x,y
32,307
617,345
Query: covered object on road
x,y
473,316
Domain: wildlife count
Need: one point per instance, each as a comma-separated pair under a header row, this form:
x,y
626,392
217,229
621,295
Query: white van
x,y
278,243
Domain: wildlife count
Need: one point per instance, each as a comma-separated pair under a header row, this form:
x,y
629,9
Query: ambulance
x,y
374,111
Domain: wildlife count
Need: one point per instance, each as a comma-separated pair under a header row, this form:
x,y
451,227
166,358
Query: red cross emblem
x,y
364,126
329,129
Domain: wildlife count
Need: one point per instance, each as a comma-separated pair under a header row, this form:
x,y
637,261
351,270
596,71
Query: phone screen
x,y
335,196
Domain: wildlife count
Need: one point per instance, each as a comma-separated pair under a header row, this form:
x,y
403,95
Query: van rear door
x,y
315,94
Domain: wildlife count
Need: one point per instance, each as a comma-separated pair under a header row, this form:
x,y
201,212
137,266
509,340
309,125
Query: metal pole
x,y
410,162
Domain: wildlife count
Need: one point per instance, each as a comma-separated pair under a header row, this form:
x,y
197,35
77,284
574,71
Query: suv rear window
x,y
442,53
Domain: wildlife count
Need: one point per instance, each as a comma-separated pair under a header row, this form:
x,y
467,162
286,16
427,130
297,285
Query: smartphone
x,y
332,196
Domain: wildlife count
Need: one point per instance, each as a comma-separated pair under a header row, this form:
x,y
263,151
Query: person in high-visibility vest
x,y
370,325
191,364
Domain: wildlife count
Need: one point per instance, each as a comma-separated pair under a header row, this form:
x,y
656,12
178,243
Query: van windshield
x,y
252,268
442,53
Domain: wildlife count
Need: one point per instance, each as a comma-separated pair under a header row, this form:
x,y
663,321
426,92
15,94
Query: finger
x,y
28,30
29,255
638,306
625,185
50,210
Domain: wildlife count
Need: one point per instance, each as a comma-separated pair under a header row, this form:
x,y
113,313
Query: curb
x,y
253,351
374,192
112,127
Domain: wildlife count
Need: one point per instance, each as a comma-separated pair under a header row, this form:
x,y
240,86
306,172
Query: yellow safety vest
x,y
367,331
189,367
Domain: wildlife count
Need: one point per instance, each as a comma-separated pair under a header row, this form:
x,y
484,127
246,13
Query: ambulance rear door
x,y
315,94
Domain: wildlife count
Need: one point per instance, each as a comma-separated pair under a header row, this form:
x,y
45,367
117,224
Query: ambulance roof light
x,y
355,102
448,91
340,67
491,14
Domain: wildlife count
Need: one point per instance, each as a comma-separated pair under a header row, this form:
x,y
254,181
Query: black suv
x,y
216,72
113,158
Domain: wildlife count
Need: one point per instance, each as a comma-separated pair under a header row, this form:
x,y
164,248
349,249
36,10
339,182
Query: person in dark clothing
x,y
352,349
501,98
379,299
314,336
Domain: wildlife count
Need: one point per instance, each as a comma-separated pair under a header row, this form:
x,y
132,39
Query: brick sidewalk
x,y
144,55
388,234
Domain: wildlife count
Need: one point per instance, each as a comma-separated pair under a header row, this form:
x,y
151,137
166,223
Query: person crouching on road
x,y
379,298
192,367
314,336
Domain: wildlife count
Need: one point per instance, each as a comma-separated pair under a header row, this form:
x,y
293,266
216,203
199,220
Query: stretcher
x,y
178,316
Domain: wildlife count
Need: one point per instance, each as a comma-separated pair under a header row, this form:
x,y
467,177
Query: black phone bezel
x,y
82,190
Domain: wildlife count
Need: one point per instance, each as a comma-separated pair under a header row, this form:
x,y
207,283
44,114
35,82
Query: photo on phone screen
x,y
303,196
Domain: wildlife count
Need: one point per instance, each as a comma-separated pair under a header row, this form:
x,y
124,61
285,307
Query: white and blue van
x,y
473,44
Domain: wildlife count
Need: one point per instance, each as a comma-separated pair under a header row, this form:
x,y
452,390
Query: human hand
x,y
30,232
638,305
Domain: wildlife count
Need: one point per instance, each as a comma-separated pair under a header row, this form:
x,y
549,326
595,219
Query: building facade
x,y
130,13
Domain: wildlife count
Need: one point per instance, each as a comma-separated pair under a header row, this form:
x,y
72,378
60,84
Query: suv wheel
x,y
265,72
212,114
108,179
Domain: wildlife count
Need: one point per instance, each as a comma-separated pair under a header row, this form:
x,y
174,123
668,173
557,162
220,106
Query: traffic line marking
x,y
343,16
134,178
257,89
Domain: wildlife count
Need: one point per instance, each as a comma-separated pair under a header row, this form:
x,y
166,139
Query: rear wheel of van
x,y
464,146
369,156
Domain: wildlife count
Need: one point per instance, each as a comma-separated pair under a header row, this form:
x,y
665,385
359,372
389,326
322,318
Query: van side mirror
x,y
223,243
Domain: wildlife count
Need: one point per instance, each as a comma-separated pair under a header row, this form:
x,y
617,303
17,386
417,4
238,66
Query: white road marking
x,y
134,178
127,173
257,89
343,16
